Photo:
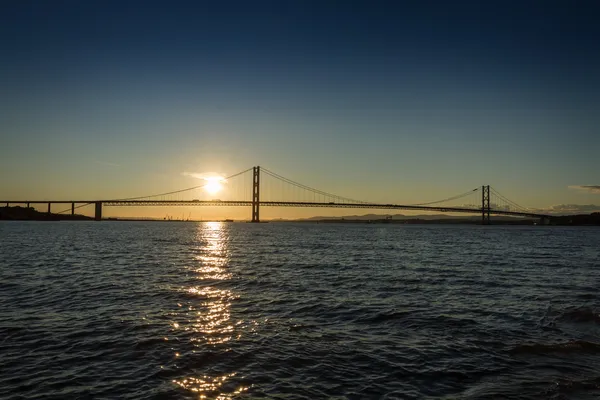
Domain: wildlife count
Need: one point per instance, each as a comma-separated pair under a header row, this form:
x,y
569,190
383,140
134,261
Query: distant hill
x,y
580,220
30,214
372,217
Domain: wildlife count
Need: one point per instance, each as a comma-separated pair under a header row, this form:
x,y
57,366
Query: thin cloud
x,y
207,176
574,208
587,188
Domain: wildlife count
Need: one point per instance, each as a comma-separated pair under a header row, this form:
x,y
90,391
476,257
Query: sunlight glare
x,y
213,184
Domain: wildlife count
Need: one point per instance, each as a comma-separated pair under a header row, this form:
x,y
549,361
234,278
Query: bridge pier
x,y
72,208
27,205
49,207
98,209
485,205
255,194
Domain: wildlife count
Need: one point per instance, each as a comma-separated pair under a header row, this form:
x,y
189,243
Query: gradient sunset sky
x,y
386,101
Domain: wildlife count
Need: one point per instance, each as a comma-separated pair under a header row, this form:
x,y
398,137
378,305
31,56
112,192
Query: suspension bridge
x,y
259,187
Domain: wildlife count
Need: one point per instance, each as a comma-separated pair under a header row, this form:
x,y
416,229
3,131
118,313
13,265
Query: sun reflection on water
x,y
207,312
212,262
213,321
208,386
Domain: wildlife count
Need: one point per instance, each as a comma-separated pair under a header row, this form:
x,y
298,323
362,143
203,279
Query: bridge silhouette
x,y
258,187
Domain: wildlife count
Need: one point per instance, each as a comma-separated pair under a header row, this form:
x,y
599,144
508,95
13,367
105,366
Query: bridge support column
x,y
49,207
98,214
255,194
72,208
27,205
485,205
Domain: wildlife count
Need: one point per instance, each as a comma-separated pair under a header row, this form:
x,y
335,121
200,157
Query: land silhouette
x,y
563,220
18,213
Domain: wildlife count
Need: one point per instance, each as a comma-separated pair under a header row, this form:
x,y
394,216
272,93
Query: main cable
x,y
448,199
300,185
177,191
507,200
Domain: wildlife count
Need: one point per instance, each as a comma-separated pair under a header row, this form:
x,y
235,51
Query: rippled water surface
x,y
297,311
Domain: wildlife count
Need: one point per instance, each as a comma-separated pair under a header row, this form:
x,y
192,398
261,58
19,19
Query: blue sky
x,y
388,101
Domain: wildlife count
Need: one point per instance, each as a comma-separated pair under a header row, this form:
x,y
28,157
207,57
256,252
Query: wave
x,y
574,346
566,386
386,316
581,315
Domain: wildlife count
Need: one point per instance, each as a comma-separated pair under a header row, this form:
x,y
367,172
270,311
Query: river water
x,y
167,310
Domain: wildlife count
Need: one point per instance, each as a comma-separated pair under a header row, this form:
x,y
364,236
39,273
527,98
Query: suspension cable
x,y
507,200
179,191
448,199
299,185
75,208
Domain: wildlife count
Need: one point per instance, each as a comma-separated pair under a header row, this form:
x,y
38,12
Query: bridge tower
x,y
98,211
255,194
485,205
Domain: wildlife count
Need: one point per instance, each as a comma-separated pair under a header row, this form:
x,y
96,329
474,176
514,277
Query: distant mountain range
x,y
369,217
578,219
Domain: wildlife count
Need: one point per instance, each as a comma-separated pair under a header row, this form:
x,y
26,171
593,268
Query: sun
x,y
213,185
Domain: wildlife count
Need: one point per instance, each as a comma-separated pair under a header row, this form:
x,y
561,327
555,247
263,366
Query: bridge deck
x,y
244,203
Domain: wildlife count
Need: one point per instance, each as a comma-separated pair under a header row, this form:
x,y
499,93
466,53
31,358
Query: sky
x,y
387,101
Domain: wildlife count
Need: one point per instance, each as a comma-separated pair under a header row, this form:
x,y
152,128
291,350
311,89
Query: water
x,y
292,311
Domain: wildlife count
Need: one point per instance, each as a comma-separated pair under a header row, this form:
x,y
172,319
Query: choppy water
x,y
291,311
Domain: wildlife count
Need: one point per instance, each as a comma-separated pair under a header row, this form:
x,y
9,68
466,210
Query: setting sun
x,y
213,185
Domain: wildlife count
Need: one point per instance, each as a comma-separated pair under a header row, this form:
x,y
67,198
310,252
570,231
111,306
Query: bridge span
x,y
373,206
485,208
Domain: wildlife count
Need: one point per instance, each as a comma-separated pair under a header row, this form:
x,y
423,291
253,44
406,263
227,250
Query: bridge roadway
x,y
313,204
248,203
